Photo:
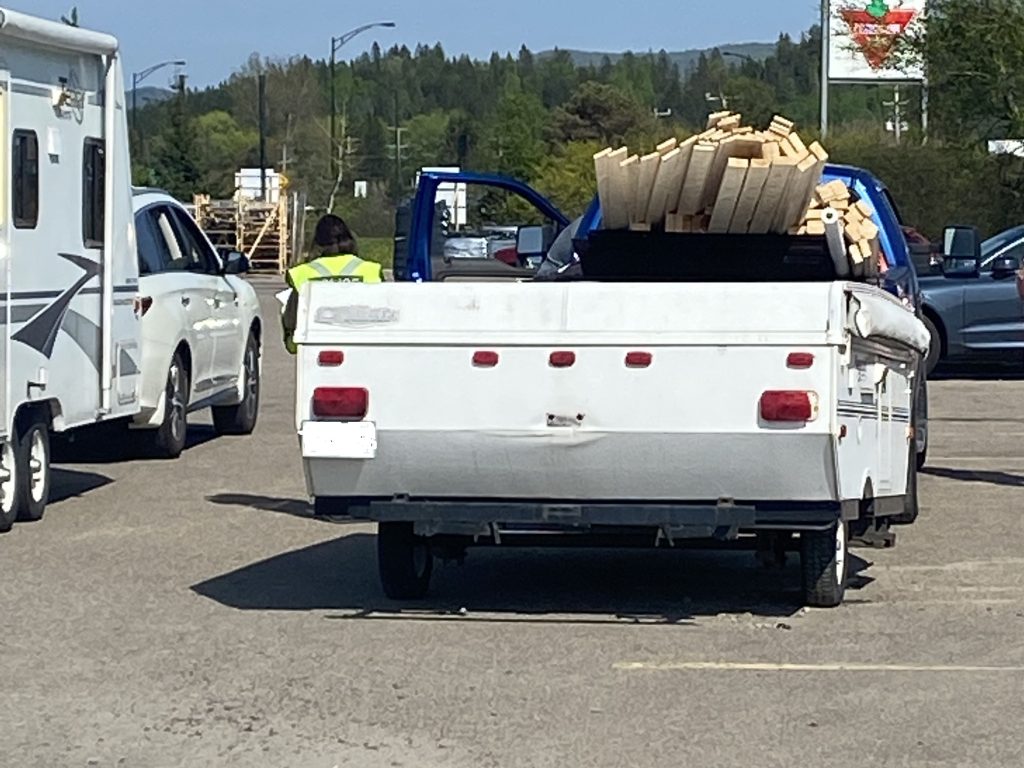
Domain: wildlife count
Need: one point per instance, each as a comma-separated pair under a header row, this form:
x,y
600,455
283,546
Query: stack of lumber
x,y
847,225
733,179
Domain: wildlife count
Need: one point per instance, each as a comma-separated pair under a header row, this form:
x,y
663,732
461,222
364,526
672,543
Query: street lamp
x,y
138,77
336,44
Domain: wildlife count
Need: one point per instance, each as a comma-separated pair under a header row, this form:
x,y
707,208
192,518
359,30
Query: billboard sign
x,y
863,35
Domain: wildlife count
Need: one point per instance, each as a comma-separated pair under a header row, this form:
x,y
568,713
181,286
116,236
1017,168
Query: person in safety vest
x,y
338,260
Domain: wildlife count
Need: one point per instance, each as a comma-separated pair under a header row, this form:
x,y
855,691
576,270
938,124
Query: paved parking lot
x,y
191,613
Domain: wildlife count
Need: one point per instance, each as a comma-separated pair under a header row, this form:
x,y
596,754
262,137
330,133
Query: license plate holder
x,y
339,440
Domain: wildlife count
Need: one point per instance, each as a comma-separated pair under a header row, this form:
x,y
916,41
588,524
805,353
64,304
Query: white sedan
x,y
202,327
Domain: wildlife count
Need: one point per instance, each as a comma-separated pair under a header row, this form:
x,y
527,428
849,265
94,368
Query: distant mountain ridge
x,y
685,59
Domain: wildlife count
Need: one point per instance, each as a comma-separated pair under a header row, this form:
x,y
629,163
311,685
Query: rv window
x,y
25,187
93,193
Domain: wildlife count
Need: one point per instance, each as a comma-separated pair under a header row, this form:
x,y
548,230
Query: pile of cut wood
x,y
733,179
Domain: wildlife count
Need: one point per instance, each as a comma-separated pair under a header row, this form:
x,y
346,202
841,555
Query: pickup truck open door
x,y
473,226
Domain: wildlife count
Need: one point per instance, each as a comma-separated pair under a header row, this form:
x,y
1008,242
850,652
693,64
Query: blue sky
x,y
216,36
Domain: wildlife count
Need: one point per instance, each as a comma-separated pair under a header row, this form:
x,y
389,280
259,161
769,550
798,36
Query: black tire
x,y
241,419
33,457
911,510
404,560
825,562
170,438
935,348
9,482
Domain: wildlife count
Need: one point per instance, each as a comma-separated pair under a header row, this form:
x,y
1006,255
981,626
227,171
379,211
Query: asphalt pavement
x,y
193,613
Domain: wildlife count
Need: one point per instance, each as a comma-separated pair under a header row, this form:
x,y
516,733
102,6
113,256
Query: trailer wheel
x,y
241,419
911,509
9,482
824,560
33,472
170,437
404,560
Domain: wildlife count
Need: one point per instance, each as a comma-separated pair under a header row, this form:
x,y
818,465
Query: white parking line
x,y
732,666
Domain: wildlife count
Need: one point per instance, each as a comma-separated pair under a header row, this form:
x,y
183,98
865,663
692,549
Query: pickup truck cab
x,y
679,388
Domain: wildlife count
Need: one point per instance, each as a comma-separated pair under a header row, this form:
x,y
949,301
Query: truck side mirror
x,y
531,241
961,252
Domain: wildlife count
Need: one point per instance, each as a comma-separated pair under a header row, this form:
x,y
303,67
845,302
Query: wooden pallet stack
x,y
733,179
260,230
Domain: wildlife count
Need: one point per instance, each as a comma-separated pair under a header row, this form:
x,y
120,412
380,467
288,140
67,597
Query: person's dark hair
x,y
333,236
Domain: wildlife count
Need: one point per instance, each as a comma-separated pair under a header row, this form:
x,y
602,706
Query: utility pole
x,y
262,98
399,148
826,33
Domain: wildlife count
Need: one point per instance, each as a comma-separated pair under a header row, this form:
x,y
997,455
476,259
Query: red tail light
x,y
639,360
331,358
346,403
562,359
801,360
788,406
485,359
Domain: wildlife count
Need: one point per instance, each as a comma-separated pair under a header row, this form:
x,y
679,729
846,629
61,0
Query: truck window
x,y
490,229
93,192
25,179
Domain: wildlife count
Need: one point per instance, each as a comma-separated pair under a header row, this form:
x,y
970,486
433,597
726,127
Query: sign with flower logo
x,y
864,35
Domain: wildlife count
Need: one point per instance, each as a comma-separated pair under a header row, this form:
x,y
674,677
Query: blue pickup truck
x,y
422,233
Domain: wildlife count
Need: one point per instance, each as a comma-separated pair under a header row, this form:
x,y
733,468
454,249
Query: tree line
x,y
541,118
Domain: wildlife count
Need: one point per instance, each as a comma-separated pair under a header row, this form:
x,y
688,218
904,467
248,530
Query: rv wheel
x,y
824,560
8,484
33,462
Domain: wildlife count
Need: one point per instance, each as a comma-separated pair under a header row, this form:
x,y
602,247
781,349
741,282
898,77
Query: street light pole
x,y
336,44
138,77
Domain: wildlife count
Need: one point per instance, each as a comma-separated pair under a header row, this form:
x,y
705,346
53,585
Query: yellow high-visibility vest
x,y
346,268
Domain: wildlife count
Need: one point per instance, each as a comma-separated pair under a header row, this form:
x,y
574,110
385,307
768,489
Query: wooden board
x,y
729,194
667,146
666,187
685,154
631,169
771,196
692,196
648,174
753,186
615,214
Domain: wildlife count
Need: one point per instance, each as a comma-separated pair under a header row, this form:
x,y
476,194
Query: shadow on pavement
x,y
976,476
110,445
294,507
570,586
69,484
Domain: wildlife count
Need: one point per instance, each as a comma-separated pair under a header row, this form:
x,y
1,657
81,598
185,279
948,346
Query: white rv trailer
x,y
70,353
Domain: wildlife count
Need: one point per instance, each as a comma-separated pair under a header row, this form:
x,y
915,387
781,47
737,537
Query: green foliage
x,y
599,112
567,176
